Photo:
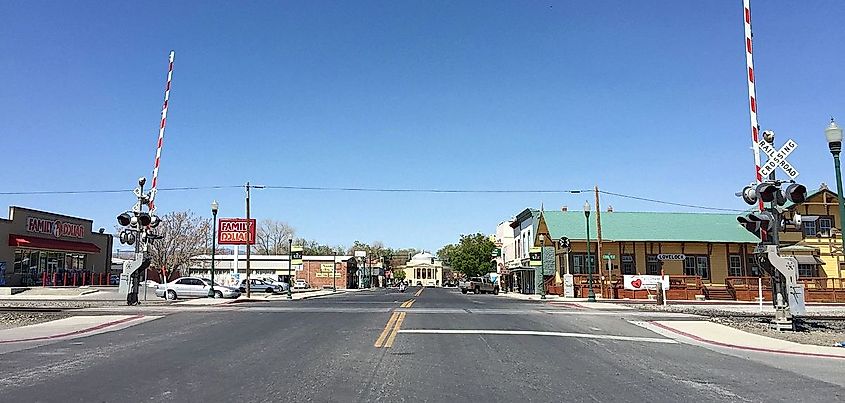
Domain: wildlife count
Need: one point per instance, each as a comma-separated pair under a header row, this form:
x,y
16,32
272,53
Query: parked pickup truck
x,y
479,285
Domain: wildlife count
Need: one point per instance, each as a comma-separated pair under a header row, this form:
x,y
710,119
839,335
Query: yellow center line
x,y
419,292
397,325
387,328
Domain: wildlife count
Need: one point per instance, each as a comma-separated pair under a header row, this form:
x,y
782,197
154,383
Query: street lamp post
x,y
591,297
290,266
214,208
834,142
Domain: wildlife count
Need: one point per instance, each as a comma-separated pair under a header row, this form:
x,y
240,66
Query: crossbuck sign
x,y
777,158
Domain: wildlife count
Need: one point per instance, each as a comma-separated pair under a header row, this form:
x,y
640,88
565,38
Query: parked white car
x,y
300,284
256,285
193,287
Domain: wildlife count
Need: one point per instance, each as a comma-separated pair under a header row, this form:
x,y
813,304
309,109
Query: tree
x,y
184,235
399,274
315,248
471,256
272,237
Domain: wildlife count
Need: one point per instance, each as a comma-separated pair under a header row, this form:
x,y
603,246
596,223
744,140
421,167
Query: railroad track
x,y
34,309
770,315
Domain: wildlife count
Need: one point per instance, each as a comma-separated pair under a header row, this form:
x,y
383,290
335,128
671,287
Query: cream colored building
x,y
424,269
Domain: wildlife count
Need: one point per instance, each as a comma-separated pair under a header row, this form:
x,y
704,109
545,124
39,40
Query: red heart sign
x,y
636,283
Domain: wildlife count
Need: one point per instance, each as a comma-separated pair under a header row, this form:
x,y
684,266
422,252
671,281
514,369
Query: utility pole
x,y
248,223
290,266
599,256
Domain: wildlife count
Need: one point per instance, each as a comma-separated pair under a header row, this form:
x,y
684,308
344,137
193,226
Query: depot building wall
x,y
637,254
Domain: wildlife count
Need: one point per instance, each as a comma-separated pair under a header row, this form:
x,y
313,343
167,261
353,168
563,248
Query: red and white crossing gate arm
x,y
752,94
161,134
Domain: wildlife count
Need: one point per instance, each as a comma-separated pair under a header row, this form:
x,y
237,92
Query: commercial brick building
x,y
43,248
318,271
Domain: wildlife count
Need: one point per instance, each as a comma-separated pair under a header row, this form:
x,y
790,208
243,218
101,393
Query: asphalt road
x,y
378,346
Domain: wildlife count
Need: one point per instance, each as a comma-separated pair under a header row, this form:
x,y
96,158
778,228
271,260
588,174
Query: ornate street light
x,y
591,297
834,142
214,208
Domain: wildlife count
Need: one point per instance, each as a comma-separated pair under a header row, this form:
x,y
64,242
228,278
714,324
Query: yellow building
x,y
818,245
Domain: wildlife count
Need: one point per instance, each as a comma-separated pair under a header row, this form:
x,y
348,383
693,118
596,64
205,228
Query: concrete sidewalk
x,y
719,335
25,337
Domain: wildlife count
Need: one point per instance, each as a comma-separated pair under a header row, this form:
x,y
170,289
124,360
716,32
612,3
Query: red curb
x,y
759,349
75,332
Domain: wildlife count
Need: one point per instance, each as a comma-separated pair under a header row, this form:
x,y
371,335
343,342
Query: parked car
x,y
281,284
465,284
300,284
193,287
256,285
480,285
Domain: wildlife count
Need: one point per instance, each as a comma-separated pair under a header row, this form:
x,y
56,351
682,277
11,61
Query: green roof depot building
x,y
709,249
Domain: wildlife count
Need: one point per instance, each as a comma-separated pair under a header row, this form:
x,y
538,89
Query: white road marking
x,y
539,333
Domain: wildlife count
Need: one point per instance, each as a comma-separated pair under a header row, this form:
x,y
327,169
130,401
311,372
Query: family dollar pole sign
x,y
236,231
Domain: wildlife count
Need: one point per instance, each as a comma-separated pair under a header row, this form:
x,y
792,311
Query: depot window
x,y
652,265
697,266
579,263
735,266
628,265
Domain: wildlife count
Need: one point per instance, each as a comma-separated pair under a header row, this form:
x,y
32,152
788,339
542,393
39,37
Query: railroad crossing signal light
x,y
796,193
756,223
749,195
124,219
767,192
144,219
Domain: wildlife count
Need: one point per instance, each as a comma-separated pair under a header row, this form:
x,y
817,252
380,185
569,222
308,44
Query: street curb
x,y
76,332
738,347
324,295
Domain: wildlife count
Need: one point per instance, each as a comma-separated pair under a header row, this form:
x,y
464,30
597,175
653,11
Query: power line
x,y
410,190
374,190
668,202
105,191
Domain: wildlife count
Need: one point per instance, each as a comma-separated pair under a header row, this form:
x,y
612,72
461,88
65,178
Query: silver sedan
x,y
194,287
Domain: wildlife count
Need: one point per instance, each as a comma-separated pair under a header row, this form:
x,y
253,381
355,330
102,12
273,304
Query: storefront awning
x,y
32,242
808,259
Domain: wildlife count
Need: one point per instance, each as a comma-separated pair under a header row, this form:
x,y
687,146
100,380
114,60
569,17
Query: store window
x,y
652,265
825,223
628,265
697,266
820,227
735,266
808,270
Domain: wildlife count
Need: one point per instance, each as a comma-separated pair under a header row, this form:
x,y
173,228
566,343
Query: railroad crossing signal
x,y
777,158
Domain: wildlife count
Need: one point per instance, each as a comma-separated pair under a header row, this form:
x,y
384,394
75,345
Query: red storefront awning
x,y
32,242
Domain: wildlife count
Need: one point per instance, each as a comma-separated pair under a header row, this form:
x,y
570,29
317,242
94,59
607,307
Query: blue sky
x,y
645,98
